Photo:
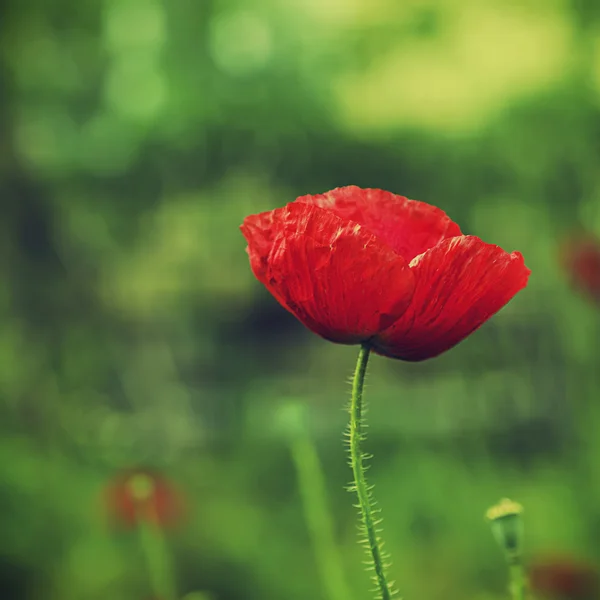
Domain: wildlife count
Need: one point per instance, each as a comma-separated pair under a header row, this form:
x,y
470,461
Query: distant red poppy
x,y
137,496
580,257
563,578
357,265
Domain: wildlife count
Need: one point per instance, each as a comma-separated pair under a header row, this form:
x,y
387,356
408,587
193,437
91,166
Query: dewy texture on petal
x,y
460,284
408,226
334,275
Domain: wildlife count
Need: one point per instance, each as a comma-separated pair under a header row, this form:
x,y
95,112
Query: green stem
x,y
363,492
517,579
314,500
152,543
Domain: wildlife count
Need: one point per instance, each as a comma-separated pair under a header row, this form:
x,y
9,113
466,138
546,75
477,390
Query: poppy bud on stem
x,y
152,541
364,493
507,527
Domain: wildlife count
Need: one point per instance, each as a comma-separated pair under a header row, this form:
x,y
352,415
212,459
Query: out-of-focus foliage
x,y
135,135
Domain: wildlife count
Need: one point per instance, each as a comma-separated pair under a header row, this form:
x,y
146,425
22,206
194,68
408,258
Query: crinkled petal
x,y
336,277
260,231
460,284
408,226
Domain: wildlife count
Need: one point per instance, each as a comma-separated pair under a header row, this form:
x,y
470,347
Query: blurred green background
x,y
135,136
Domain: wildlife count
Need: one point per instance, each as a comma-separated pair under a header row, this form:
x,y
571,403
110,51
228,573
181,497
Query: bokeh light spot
x,y
136,88
240,42
134,24
457,82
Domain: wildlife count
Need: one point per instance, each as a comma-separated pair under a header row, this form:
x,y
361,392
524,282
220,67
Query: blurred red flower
x,y
580,258
364,264
563,578
137,496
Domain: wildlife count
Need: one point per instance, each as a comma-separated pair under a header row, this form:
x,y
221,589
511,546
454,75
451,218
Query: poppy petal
x,y
563,577
260,231
460,284
336,277
580,258
408,226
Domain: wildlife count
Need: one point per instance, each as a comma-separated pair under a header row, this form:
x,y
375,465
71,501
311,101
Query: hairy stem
x,y
365,498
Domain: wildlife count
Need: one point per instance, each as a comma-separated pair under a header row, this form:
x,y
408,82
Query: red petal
x,y
460,284
337,278
581,259
408,226
164,506
260,231
563,577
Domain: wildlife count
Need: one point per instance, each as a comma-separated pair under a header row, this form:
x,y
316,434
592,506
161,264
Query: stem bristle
x,y
369,532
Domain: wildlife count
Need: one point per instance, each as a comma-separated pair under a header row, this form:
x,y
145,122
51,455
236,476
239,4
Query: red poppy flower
x,y
580,257
563,578
357,265
137,496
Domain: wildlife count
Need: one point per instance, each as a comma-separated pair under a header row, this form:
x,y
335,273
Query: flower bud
x,y
143,495
507,526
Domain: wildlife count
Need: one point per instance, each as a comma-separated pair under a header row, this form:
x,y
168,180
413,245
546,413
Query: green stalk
x,y
151,538
517,580
313,490
154,548
366,502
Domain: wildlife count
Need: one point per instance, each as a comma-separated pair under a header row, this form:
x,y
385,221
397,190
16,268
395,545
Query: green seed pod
x,y
507,526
